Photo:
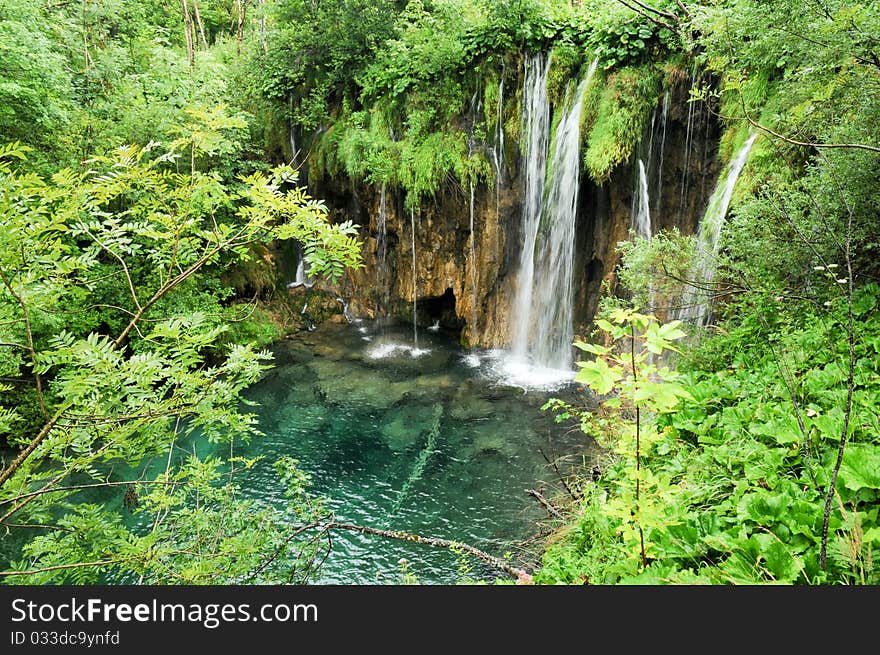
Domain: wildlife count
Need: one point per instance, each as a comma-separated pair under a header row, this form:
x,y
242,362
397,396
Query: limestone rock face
x,y
473,294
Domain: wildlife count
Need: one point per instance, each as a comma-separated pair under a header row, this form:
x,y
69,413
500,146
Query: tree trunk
x,y
242,5
188,30
263,27
199,24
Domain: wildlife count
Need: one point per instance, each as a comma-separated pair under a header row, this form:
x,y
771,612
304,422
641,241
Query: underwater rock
x,y
466,407
487,444
405,426
339,383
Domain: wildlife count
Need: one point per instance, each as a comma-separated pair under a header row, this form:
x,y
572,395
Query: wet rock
x,y
403,426
339,383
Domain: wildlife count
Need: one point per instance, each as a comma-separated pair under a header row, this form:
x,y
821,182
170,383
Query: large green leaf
x,y
598,375
861,467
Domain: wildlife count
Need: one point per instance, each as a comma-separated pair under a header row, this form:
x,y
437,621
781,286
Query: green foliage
x,y
732,487
621,37
634,386
813,75
319,49
113,317
35,86
651,270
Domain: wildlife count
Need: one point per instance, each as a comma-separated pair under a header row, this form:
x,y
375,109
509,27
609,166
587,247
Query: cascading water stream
x,y
695,302
535,129
554,286
663,116
302,277
473,261
642,215
290,133
382,252
412,218
543,312
688,142
498,153
476,105
641,222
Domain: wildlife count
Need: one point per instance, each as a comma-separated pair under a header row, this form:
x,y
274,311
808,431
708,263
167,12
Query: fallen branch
x,y
546,504
574,496
496,562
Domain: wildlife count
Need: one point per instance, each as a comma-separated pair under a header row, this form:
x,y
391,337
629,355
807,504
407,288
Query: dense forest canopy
x,y
154,152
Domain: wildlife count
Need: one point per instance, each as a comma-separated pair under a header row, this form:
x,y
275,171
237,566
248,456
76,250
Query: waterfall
x,y
535,132
302,279
554,288
476,106
695,302
642,215
543,311
663,115
641,222
412,218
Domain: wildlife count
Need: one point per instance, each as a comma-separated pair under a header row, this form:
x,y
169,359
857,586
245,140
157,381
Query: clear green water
x,y
429,444
425,444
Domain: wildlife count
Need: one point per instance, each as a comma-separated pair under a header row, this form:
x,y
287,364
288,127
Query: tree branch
x,y
61,567
6,473
30,343
495,562
545,504
806,144
648,15
684,9
106,248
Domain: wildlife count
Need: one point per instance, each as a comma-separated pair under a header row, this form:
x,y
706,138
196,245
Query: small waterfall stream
x,y
382,276
695,302
476,106
663,116
642,214
473,260
498,153
688,142
291,135
412,218
641,220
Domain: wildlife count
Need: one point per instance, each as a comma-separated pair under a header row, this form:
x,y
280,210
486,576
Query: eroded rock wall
x,y
474,295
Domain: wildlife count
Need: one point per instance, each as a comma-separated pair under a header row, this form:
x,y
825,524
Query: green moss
x,y
565,62
258,327
626,102
590,106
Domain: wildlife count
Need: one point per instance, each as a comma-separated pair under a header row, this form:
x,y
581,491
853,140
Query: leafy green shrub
x,y
733,475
